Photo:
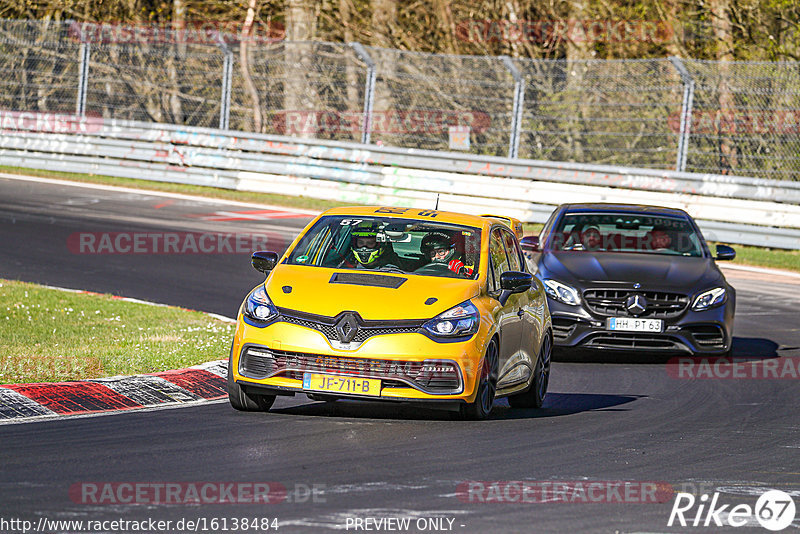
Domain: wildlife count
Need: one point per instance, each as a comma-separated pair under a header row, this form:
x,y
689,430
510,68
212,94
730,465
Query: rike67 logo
x,y
774,510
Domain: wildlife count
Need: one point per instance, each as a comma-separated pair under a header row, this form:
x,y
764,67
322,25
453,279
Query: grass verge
x,y
47,335
788,260
754,256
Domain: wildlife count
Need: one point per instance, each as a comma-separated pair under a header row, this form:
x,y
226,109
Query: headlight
x,y
709,299
458,321
562,292
258,307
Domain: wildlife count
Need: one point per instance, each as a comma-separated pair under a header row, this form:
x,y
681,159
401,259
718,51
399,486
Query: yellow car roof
x,y
411,213
511,222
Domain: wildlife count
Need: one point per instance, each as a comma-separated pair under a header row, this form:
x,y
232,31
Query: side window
x,y
513,252
498,256
491,283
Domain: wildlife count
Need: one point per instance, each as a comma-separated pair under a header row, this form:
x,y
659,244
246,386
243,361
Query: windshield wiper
x,y
391,269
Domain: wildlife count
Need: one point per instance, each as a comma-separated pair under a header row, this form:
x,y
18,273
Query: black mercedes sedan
x,y
631,277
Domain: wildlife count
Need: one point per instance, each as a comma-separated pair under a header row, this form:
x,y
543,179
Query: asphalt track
x,y
604,421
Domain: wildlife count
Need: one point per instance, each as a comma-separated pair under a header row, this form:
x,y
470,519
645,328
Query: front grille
x,y
563,328
611,303
430,375
256,363
618,340
366,329
708,336
327,329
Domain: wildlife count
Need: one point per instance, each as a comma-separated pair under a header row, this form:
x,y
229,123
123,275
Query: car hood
x,y
313,291
647,269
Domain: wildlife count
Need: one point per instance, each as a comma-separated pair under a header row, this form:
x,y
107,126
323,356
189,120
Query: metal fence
x,y
735,118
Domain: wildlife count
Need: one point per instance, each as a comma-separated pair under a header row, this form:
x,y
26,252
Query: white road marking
x,y
148,192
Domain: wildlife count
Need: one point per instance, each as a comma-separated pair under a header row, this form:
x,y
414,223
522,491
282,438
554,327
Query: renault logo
x,y
636,304
346,327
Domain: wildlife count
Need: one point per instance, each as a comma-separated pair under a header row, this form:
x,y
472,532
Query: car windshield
x,y
626,232
390,245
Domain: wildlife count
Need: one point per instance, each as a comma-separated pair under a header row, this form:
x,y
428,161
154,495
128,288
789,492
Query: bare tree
x,y
578,50
244,60
301,30
178,25
346,9
723,35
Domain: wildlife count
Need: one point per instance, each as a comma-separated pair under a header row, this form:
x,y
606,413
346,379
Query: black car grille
x,y
432,375
366,330
563,328
618,340
256,363
611,303
708,336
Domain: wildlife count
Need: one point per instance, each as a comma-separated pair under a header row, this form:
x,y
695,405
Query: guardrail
x,y
351,172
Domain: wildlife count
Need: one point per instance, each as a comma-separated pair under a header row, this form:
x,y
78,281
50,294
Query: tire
x,y
481,407
534,396
240,399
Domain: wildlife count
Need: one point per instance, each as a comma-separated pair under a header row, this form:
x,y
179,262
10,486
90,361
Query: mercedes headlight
x,y
709,299
258,307
562,292
458,321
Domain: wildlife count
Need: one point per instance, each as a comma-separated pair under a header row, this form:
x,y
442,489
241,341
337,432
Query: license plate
x,y
342,384
631,324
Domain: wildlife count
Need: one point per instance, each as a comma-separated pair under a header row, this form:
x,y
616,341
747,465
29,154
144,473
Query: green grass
x,y
764,257
47,335
755,256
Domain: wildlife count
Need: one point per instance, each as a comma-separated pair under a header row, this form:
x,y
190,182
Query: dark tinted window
x,y
626,232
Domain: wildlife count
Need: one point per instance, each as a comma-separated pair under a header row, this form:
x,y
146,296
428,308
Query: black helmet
x,y
436,241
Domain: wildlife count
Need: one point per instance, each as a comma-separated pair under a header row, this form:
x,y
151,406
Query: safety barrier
x,y
731,209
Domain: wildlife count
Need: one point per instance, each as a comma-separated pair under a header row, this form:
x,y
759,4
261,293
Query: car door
x,y
533,312
509,317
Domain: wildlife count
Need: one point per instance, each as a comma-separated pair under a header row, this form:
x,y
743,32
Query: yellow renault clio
x,y
395,304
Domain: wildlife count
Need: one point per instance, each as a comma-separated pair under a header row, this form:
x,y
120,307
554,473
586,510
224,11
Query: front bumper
x,y
275,358
707,332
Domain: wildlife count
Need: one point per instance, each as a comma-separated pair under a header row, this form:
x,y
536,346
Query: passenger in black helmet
x,y
439,247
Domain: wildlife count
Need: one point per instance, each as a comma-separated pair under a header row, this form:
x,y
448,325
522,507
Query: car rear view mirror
x,y
530,243
514,282
264,260
724,252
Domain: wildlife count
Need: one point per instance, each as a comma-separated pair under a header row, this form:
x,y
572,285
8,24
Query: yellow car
x,y
395,304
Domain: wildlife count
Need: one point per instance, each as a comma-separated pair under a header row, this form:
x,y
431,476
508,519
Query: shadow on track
x,y
556,404
754,347
743,347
